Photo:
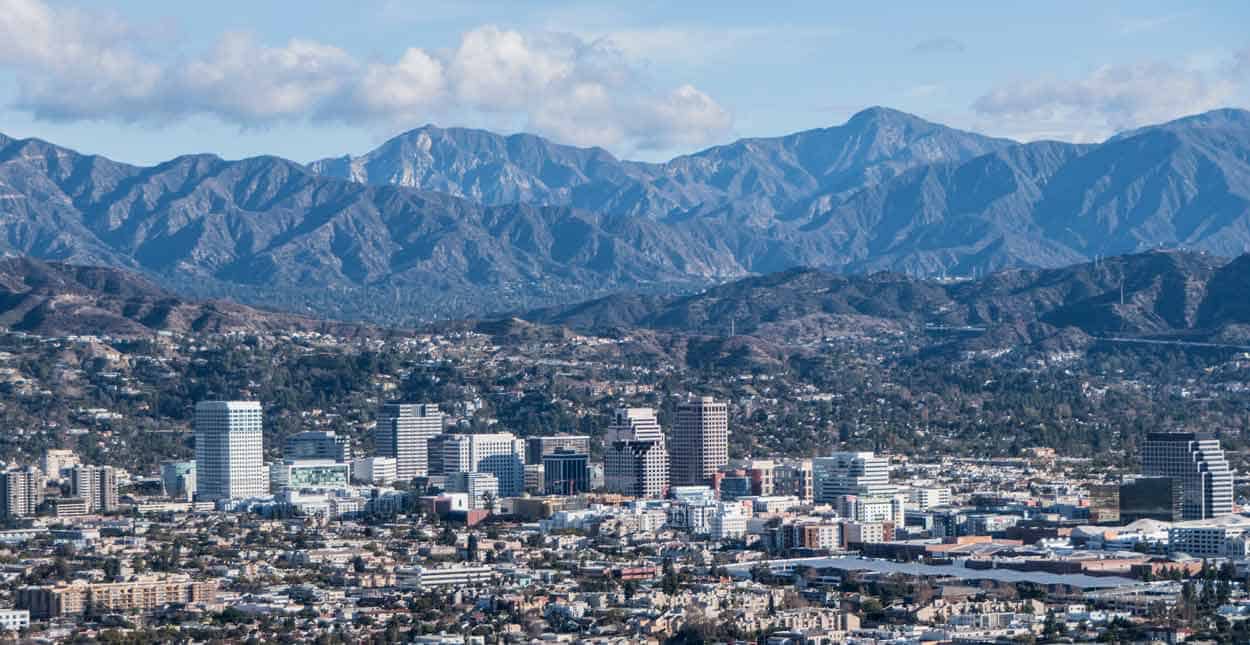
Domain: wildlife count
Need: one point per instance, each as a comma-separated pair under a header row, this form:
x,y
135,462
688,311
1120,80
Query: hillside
x,y
1164,295
54,299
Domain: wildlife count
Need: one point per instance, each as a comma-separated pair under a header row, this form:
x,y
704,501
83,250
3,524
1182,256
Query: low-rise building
x,y
13,620
458,576
143,593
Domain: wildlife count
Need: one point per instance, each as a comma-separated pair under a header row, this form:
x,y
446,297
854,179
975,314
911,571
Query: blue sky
x,y
143,81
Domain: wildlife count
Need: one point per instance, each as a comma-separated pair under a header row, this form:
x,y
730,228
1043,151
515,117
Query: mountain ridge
x,y
884,191
1161,295
526,167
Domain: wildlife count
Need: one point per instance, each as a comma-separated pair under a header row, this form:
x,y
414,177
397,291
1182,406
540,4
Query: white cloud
x,y
1109,99
72,65
397,92
500,69
248,83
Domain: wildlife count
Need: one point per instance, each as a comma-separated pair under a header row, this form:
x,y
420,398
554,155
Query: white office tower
x,y
403,433
1197,462
500,454
636,459
850,473
229,460
700,442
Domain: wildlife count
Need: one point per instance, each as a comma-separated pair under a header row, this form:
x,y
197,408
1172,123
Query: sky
x,y
143,81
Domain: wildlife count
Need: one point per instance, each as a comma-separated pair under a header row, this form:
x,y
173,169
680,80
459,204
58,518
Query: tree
x,y
113,569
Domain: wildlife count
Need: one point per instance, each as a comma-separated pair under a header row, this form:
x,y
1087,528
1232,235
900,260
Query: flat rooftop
x,y
955,570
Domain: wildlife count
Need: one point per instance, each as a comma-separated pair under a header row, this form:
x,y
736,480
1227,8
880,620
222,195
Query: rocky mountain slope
x,y
465,222
751,181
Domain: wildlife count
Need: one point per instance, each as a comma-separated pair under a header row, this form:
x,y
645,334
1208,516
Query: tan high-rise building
x,y
700,441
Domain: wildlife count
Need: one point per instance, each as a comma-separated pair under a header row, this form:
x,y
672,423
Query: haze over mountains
x,y
439,223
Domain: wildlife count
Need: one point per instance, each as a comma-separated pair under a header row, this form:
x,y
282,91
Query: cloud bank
x,y
1109,99
72,65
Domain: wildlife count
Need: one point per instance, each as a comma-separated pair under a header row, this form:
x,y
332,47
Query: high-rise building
x,y
404,432
1151,498
178,479
1197,462
700,442
538,447
57,459
229,459
318,444
636,457
850,473
500,454
566,472
97,485
435,448
21,492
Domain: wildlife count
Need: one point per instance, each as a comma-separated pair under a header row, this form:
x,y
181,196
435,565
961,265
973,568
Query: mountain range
x,y
1157,295
451,222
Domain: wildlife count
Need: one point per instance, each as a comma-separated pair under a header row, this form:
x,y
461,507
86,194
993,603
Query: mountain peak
x,y
878,113
878,116
1210,120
